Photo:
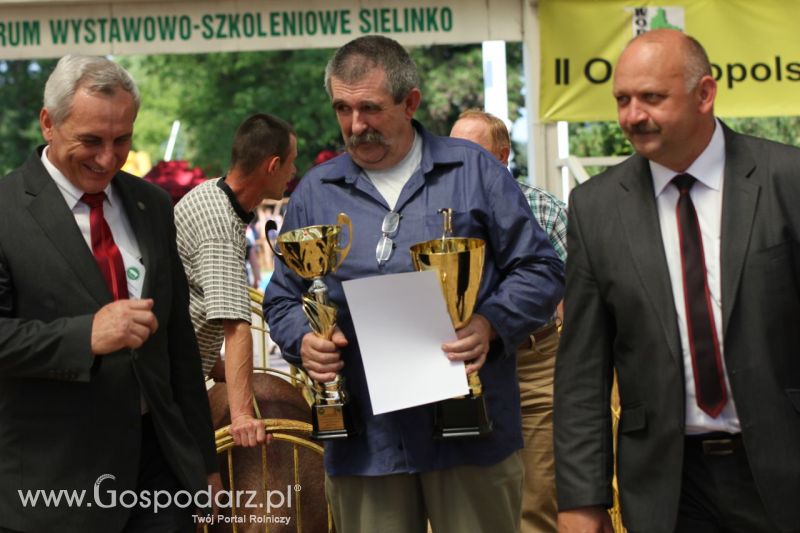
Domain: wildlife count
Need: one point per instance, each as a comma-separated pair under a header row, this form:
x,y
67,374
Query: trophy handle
x,y
272,226
344,220
447,222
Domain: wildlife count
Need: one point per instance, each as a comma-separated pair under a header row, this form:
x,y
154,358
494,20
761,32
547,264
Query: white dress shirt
x,y
116,219
706,195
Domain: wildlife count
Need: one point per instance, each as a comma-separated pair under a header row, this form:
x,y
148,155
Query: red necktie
x,y
104,249
709,380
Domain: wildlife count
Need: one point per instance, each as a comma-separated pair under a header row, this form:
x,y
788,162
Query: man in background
x,y
211,223
536,356
101,389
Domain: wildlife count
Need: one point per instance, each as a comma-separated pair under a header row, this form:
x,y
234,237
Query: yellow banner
x,y
753,46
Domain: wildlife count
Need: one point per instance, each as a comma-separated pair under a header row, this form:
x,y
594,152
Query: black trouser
x,y
156,474
718,493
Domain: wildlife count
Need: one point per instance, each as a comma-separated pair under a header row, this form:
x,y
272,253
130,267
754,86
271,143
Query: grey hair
x,y
96,74
353,61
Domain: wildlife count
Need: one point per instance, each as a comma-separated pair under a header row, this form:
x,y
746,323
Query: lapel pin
x,y
140,205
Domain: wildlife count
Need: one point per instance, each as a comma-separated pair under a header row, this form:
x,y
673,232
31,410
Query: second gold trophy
x,y
459,262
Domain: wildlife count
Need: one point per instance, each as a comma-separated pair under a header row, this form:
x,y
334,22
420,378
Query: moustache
x,y
643,127
370,137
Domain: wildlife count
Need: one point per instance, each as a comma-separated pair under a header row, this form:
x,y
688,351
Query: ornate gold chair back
x,y
277,487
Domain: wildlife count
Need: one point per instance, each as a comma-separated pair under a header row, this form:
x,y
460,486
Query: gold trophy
x,y
459,262
313,252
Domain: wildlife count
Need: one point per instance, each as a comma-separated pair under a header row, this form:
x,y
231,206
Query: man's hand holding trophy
x,y
459,262
313,252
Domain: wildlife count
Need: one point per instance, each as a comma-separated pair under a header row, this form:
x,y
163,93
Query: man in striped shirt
x,y
536,357
211,222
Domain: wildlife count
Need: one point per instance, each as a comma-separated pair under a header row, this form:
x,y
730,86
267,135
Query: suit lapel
x,y
48,208
136,209
739,201
639,215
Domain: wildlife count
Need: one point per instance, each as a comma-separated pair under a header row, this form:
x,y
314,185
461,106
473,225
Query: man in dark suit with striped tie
x,y
684,277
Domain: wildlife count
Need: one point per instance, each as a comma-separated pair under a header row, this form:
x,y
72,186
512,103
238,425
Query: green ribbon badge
x,y
133,273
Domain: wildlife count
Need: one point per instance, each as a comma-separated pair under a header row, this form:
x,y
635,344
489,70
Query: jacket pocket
x,y
794,397
632,418
464,225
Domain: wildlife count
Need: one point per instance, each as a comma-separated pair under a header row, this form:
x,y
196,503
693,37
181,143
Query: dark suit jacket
x,y
67,418
620,314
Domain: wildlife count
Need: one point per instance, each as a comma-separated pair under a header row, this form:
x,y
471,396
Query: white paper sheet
x,y
401,322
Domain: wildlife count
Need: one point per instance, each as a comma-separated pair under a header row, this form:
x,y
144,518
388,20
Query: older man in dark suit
x,y
684,276
101,390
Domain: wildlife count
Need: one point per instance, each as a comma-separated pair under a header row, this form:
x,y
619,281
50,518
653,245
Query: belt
x,y
718,443
539,335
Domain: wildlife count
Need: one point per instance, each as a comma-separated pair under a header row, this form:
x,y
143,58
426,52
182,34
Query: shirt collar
x,y
72,194
708,168
237,207
434,152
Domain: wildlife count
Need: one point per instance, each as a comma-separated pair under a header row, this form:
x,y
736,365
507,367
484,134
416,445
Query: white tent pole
x,y
173,136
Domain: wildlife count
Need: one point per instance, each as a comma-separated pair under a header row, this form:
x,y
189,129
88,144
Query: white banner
x,y
39,30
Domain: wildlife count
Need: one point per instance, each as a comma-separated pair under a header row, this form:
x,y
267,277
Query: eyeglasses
x,y
385,245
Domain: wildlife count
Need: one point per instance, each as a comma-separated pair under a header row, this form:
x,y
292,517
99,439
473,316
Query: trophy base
x,y
461,418
334,421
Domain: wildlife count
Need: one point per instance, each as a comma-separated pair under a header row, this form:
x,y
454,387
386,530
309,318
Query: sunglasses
x,y
386,245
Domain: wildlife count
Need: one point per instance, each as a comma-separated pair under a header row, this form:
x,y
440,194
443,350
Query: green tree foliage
x,y
212,93
21,88
588,139
781,129
452,81
160,99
